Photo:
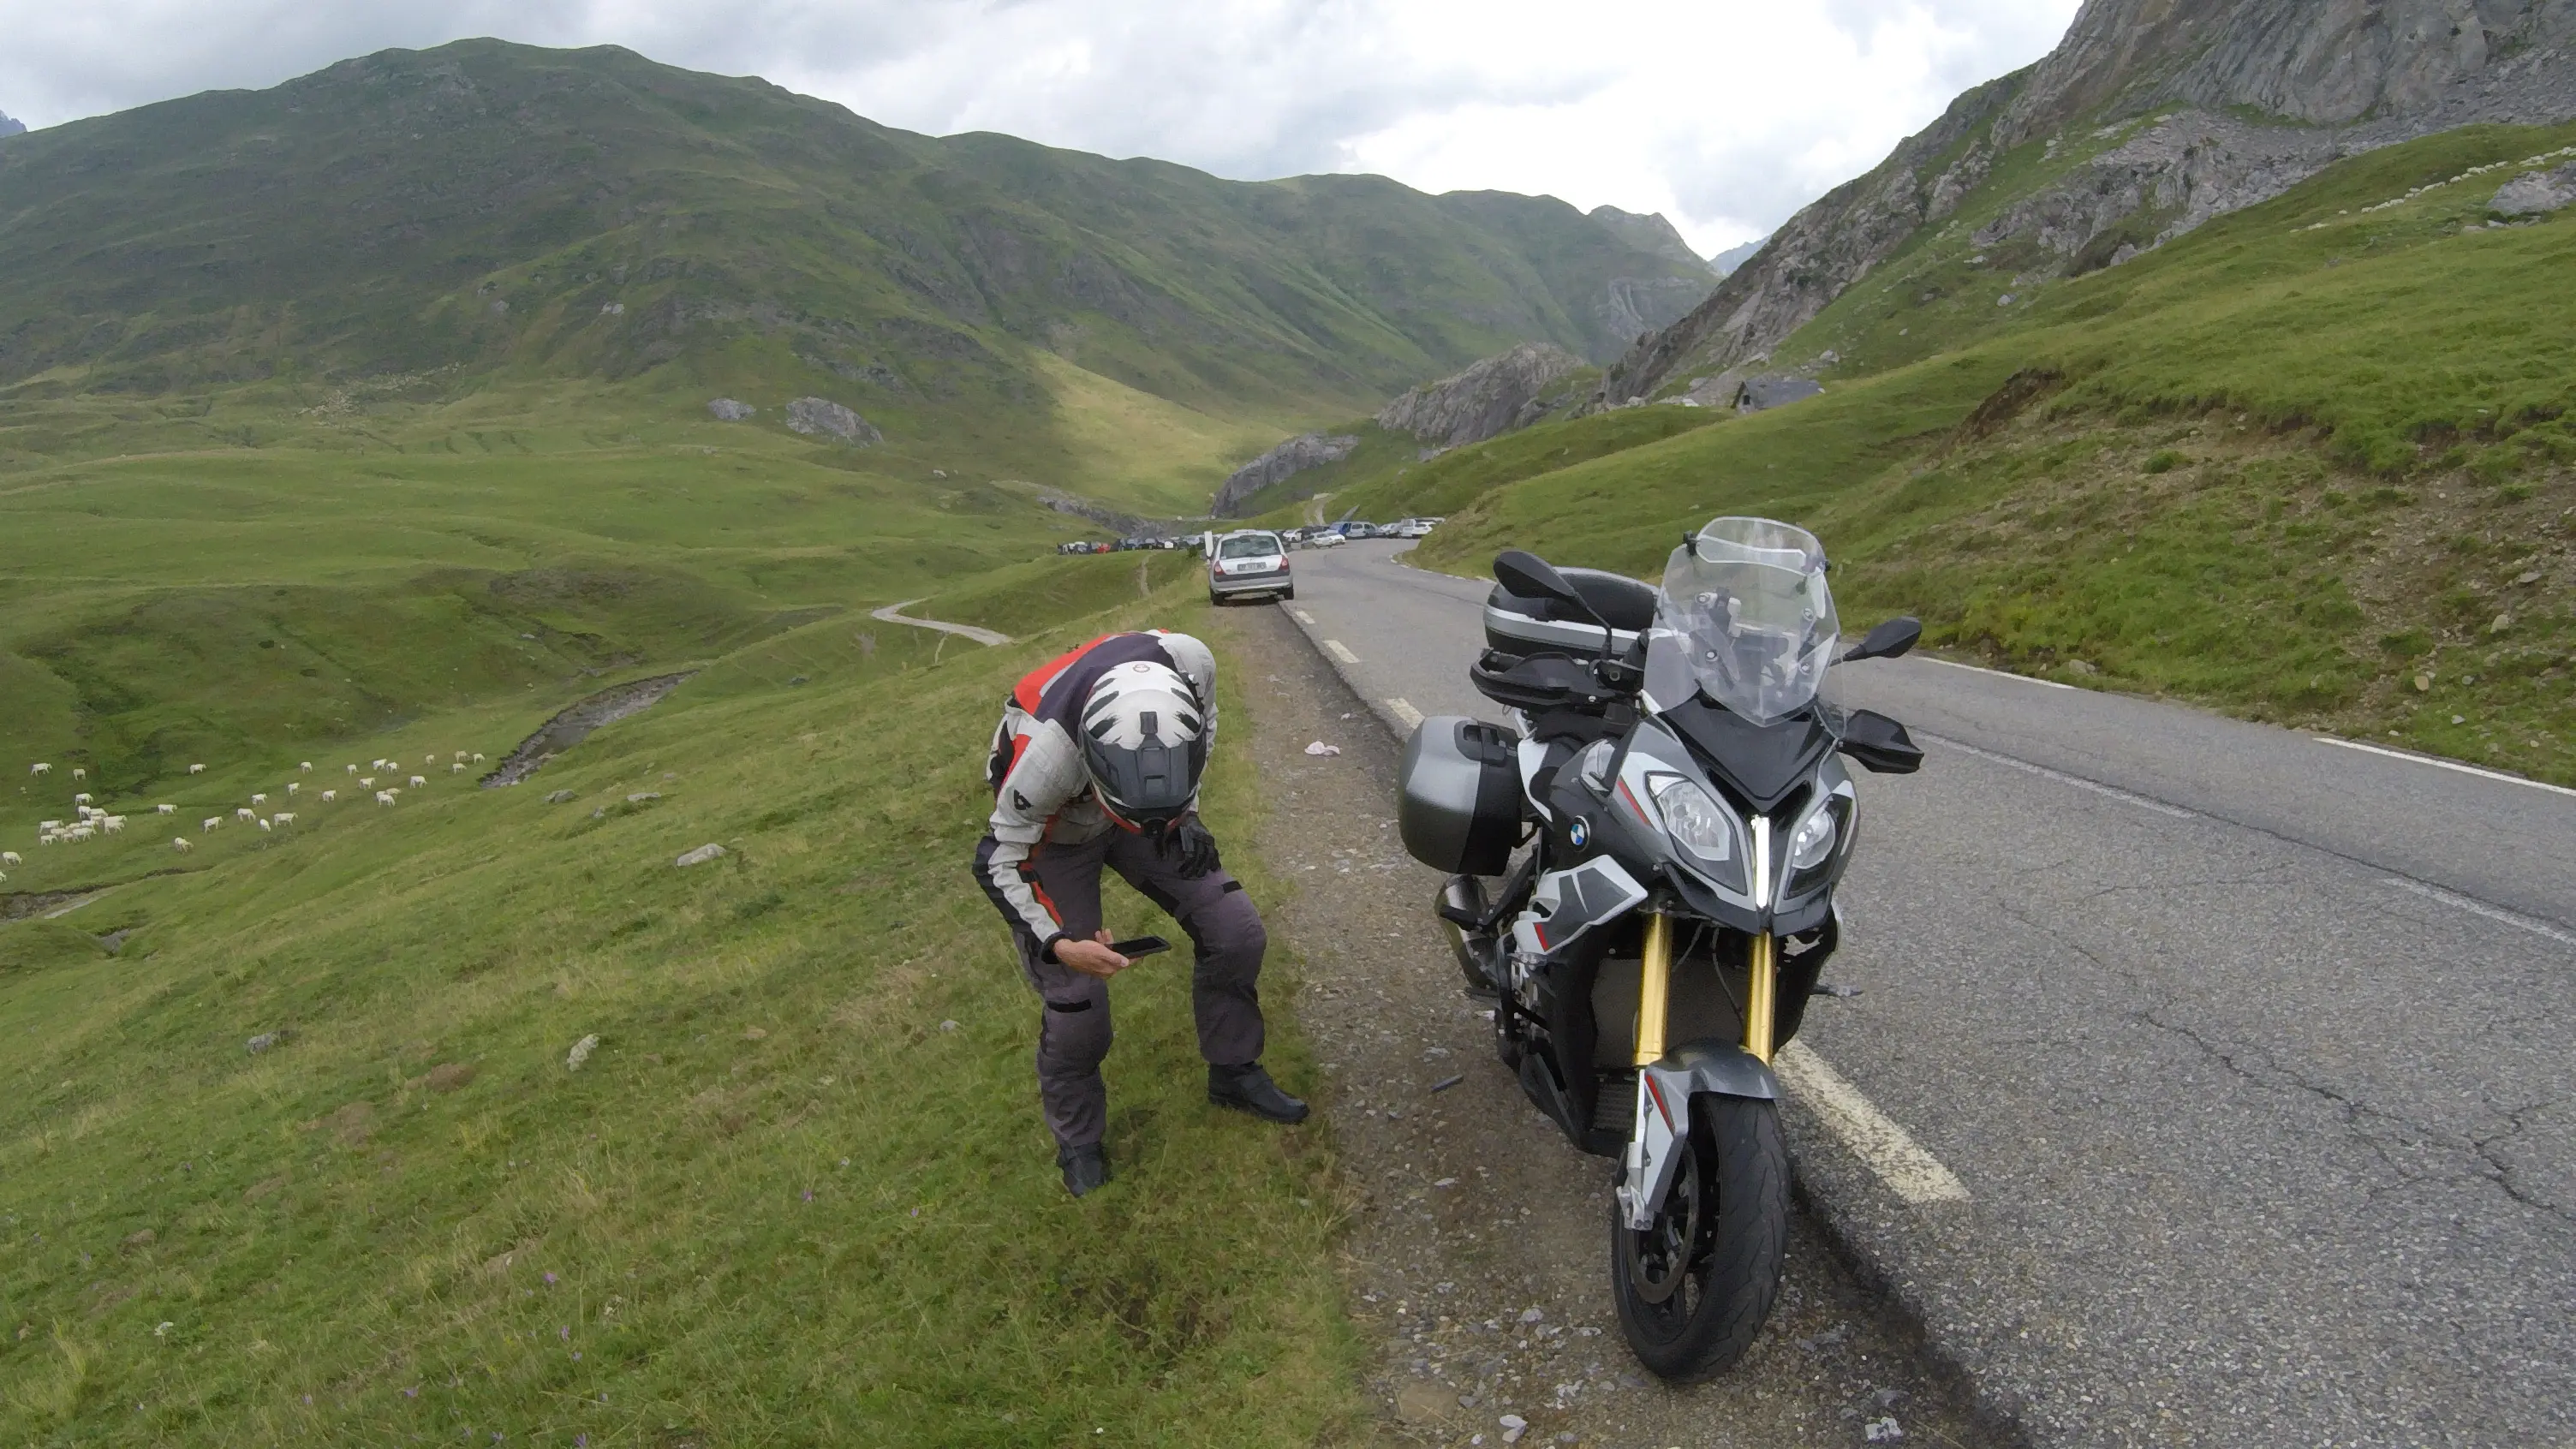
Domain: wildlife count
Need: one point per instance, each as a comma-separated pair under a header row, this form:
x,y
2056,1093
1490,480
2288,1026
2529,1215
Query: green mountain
x,y
487,212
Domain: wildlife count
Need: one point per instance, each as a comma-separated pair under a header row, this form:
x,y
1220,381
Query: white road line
x,y
1890,1151
1334,648
1303,617
1997,673
2045,773
2481,908
1405,712
2452,765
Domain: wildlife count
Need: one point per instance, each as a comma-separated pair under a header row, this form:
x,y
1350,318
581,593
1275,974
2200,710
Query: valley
x,y
386,413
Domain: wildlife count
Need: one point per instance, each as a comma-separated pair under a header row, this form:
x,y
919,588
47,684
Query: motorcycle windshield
x,y
1744,617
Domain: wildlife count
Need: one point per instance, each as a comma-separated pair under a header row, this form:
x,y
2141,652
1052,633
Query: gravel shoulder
x,y
1475,1257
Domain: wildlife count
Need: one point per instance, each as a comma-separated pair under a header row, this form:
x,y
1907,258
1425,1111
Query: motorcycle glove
x,y
1190,846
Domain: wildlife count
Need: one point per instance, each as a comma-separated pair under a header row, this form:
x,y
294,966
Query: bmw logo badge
x,y
1579,833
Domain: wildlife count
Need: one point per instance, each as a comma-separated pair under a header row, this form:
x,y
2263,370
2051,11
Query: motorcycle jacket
x,y
1042,791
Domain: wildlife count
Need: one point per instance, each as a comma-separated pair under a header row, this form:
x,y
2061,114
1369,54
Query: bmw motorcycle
x,y
1644,867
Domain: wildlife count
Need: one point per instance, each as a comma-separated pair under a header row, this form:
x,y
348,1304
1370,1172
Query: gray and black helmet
x,y
1144,738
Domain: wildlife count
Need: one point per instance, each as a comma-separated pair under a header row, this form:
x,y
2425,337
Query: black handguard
x,y
1191,846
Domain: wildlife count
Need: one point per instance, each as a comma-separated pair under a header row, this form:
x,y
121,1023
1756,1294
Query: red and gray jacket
x,y
1041,788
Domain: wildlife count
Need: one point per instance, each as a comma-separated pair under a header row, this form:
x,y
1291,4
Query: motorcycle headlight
x,y
1813,845
1700,827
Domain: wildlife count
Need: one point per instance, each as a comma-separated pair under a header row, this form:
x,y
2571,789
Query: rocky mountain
x,y
488,209
10,127
1490,398
1295,456
1725,262
2150,118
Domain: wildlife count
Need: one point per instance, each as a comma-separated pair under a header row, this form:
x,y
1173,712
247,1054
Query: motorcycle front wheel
x,y
1695,1287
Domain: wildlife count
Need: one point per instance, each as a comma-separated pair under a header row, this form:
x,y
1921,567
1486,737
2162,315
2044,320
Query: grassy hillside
x,y
798,1191
441,223
2311,462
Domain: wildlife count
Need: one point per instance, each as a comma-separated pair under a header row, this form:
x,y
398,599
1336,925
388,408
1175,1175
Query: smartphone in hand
x,y
1140,946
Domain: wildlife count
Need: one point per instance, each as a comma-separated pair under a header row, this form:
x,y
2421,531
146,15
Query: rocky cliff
x,y
2150,118
1490,398
1295,456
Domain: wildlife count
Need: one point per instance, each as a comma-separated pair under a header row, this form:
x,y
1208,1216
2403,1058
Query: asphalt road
x,y
2253,1053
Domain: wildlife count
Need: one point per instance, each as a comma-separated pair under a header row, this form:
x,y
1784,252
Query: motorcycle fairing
x,y
1569,902
1763,765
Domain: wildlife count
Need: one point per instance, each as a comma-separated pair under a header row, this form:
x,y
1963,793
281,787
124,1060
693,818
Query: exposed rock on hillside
x,y
732,410
9,127
2537,194
815,417
1295,456
1650,233
1490,398
1725,262
2341,76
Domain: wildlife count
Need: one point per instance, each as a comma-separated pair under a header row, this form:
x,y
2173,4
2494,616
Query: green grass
x,y
2232,469
1053,593
783,1201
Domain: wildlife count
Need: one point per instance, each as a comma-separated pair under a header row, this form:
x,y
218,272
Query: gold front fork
x,y
1761,996
1654,988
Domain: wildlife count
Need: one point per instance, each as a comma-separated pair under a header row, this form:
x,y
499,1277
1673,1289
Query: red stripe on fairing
x,y
1658,1094
1539,929
1633,805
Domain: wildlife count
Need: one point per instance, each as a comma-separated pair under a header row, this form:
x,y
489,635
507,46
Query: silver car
x,y
1249,562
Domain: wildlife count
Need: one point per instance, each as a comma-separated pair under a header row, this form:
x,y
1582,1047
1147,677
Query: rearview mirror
x,y
1532,577
1888,641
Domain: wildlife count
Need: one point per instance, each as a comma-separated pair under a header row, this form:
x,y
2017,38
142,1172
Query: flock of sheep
x,y
94,821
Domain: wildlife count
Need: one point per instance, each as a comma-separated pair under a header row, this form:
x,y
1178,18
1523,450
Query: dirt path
x,y
1476,1260
893,614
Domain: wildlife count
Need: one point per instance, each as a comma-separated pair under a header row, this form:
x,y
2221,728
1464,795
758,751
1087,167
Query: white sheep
x,y
292,787
49,826
457,769
366,782
417,781
165,809
378,764
41,769
263,825
11,857
244,812
80,832
79,774
196,769
384,797
330,795
284,817
352,769
259,799
478,757
180,844
81,799
111,823
305,765
207,825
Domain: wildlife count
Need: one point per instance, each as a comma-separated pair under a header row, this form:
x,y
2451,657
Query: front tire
x,y
1695,1288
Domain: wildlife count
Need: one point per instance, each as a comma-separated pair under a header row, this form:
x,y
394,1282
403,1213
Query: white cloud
x,y
1725,115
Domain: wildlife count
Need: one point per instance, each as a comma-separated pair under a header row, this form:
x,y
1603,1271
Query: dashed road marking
x,y
2452,765
1335,648
2080,783
1997,673
1303,617
1405,712
2481,908
1889,1150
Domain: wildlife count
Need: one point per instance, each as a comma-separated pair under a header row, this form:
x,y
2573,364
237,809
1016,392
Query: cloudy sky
x,y
1725,115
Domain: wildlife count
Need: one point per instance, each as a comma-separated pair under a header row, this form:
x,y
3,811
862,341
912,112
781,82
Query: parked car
x,y
1326,538
1411,527
1250,561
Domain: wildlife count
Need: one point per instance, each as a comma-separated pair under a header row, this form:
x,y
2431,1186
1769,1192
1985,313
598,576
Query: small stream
x,y
573,725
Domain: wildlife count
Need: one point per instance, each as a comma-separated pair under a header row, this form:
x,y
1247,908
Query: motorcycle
x,y
1644,867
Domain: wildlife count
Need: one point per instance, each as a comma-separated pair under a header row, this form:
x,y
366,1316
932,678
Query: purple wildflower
x,y
308,1400
550,1277
412,1393
809,1194
564,1333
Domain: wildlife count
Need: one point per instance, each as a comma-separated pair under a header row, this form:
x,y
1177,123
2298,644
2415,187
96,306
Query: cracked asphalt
x,y
2254,1055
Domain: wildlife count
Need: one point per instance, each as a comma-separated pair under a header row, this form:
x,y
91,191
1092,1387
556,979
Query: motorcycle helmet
x,y
1144,742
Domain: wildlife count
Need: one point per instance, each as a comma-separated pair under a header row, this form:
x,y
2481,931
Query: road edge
x,y
1835,1189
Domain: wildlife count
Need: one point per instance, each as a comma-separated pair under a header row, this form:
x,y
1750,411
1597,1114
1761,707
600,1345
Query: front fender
x,y
1664,1092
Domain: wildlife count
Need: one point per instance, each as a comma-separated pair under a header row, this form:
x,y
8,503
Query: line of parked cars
x,y
1329,535
1126,545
